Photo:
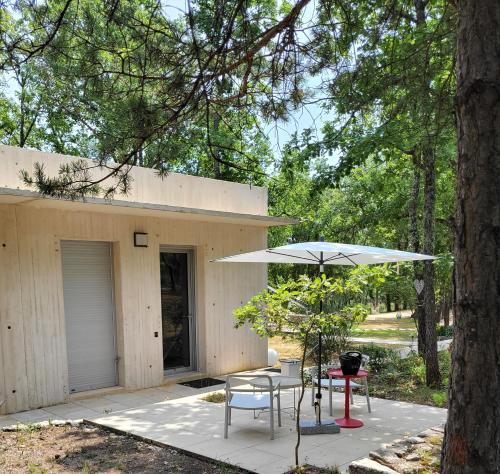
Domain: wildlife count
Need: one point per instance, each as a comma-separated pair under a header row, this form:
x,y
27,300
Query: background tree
x,y
139,80
392,82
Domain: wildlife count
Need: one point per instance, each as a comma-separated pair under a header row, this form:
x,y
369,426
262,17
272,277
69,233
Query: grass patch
x,y
215,397
309,469
392,323
394,334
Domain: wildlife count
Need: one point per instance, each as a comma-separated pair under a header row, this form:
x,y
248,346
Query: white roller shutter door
x,y
89,309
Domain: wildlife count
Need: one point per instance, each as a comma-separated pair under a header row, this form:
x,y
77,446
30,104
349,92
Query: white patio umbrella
x,y
324,253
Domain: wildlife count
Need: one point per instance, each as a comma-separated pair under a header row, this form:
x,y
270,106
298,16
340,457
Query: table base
x,y
327,426
349,423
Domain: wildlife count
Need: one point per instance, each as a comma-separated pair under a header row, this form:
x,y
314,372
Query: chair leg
x,y
330,401
350,393
312,393
367,396
279,409
271,417
230,411
226,421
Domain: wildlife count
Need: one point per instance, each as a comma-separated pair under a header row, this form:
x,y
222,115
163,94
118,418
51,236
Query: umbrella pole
x,y
320,350
318,394
317,427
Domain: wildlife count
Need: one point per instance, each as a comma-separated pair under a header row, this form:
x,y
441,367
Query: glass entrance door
x,y
176,311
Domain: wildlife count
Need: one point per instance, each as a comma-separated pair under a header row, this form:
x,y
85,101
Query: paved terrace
x,y
175,415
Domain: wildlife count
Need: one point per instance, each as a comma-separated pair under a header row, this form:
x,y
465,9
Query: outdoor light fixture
x,y
140,239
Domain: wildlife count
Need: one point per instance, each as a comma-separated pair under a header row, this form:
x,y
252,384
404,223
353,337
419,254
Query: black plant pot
x,y
350,362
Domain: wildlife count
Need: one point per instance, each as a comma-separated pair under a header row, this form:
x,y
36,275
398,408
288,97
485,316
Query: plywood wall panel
x,y
13,376
34,351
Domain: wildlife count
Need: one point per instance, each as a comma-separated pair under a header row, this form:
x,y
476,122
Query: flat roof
x,y
117,206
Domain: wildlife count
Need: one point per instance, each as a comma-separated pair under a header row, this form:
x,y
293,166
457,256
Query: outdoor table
x,y
285,383
347,421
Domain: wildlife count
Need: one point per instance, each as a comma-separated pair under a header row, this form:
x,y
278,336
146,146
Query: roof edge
x,y
270,221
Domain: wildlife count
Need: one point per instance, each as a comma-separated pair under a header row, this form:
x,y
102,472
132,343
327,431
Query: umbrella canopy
x,y
325,253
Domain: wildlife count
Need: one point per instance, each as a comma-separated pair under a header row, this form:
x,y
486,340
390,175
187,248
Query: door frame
x,y
193,323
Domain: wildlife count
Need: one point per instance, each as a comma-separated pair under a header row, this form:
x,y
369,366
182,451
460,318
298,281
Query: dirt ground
x,y
87,449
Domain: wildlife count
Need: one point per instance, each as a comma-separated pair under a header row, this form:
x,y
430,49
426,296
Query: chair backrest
x,y
230,388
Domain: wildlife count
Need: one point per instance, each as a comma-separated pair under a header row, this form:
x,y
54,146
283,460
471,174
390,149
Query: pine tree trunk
x,y
419,314
472,437
431,357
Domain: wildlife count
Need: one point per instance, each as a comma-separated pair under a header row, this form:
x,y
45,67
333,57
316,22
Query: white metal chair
x,y
332,384
246,399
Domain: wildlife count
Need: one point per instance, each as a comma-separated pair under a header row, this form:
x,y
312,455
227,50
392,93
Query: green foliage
x,y
369,207
379,356
404,379
293,308
394,93
131,82
444,332
439,398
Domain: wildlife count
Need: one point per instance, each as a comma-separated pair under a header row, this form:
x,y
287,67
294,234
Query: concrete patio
x,y
101,402
194,425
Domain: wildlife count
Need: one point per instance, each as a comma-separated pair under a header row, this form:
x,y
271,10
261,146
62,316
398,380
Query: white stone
x,y
368,466
413,457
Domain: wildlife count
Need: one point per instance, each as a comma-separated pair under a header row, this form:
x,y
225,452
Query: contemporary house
x,y
97,294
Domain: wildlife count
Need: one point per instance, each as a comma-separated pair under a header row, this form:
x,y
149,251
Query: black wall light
x,y
140,239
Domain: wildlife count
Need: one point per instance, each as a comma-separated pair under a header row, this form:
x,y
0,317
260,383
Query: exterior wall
x,y
33,361
174,189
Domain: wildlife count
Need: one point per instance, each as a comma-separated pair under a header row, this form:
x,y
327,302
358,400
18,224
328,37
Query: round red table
x,y
347,421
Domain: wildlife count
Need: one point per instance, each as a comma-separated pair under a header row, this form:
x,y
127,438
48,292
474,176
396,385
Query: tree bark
x,y
419,314
431,358
472,436
429,167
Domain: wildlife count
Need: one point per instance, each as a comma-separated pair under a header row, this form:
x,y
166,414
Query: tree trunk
x,y
431,357
472,437
429,167
387,303
415,244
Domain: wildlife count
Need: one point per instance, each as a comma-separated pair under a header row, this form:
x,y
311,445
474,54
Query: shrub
x,y
439,398
445,332
380,357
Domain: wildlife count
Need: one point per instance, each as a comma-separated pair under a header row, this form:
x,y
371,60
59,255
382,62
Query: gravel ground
x,y
88,449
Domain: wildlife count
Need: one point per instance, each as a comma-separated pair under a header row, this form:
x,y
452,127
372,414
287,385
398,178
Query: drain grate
x,y
202,383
